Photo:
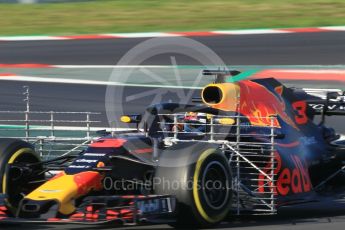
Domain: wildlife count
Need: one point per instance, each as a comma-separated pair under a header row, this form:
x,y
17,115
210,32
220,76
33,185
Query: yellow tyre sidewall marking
x,y
197,200
11,161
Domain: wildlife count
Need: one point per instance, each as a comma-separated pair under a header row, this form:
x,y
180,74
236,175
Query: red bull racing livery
x,y
252,147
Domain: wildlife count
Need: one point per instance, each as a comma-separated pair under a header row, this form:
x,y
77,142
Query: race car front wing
x,y
121,210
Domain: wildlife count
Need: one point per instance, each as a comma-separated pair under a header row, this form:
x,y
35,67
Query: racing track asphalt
x,y
327,48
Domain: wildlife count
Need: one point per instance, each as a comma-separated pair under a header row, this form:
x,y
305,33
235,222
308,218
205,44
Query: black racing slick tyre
x,y
15,176
199,176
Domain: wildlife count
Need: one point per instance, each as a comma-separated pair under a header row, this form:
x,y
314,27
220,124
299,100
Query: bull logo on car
x,y
260,104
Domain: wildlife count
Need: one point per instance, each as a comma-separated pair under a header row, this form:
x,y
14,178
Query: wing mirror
x,y
132,119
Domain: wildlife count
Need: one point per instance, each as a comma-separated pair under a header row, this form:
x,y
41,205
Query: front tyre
x,y
203,176
16,178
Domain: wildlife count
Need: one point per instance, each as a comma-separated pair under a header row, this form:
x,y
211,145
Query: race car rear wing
x,y
326,101
322,93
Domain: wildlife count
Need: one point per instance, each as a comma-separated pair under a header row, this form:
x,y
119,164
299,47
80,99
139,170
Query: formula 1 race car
x,y
247,147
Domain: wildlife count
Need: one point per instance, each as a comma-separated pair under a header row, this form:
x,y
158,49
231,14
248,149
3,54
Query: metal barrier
x,y
251,154
52,133
51,122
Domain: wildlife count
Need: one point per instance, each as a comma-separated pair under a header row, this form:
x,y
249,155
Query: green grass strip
x,y
110,16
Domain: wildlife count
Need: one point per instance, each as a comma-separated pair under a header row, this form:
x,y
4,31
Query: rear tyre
x,y
15,177
199,177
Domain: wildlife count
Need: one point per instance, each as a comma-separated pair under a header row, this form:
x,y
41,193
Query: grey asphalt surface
x,y
276,49
327,48
91,98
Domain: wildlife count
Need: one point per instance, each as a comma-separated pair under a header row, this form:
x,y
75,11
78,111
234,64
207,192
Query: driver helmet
x,y
195,122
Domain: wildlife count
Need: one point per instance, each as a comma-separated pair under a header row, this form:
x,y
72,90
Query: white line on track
x,y
142,35
31,38
258,31
335,28
88,82
111,66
